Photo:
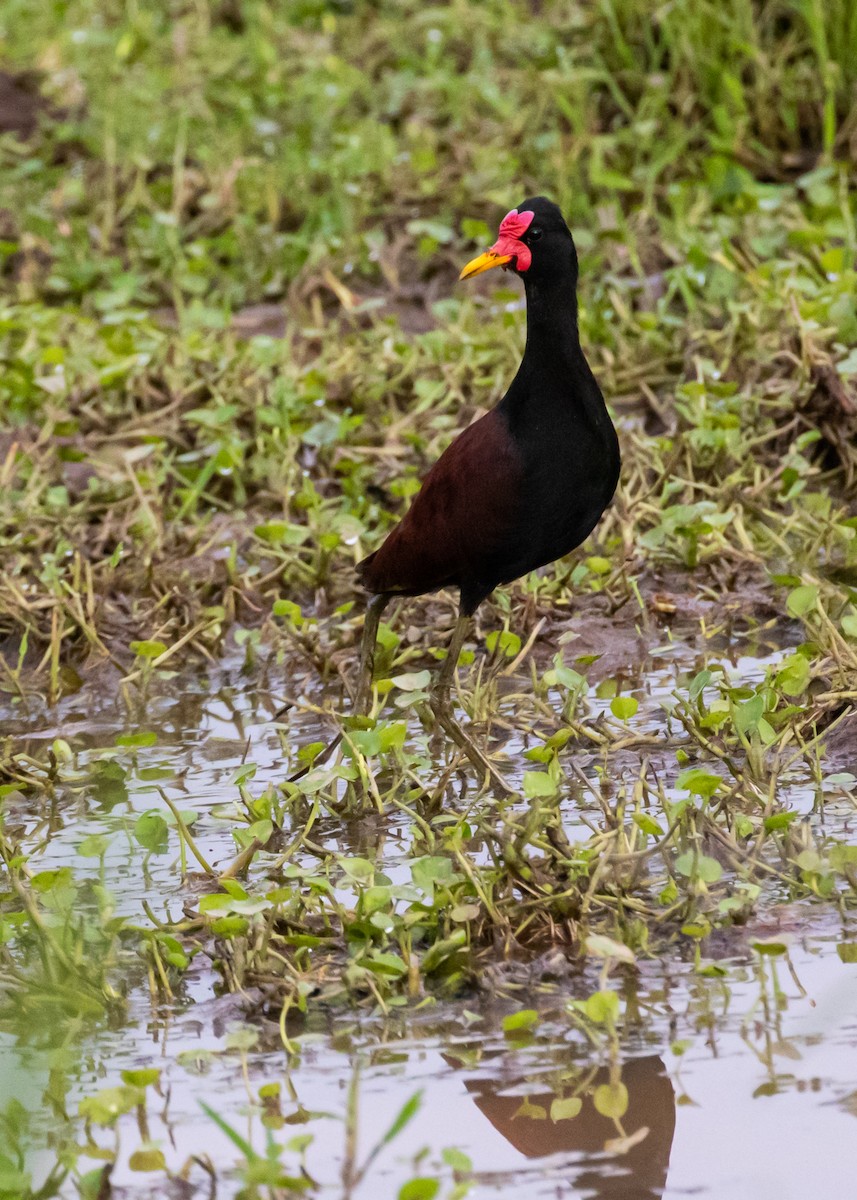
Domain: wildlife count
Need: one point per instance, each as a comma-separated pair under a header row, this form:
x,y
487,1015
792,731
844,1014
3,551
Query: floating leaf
x,y
421,1188
147,1159
611,1100
535,1112
137,741
565,1109
93,846
771,948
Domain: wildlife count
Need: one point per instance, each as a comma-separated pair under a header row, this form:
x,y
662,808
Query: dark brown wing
x,y
461,521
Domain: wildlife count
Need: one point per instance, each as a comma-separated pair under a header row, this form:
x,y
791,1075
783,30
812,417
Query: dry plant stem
x,y
442,710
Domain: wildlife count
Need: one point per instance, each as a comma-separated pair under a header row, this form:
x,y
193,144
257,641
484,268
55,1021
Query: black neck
x,y
551,320
554,375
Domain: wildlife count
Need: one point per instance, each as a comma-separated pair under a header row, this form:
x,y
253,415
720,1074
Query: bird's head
x,y
534,242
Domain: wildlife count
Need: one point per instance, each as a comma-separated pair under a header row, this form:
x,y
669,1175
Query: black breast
x,y
571,467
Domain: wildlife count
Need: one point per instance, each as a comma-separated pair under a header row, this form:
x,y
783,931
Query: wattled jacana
x,y
520,487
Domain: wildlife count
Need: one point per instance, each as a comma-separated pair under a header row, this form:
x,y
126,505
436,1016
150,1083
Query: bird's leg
x,y
362,697
442,708
371,621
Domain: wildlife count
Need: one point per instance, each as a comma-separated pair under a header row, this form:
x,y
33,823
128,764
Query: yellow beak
x,y
484,263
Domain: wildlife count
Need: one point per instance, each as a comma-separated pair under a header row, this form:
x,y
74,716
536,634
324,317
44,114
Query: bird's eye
x,y
534,235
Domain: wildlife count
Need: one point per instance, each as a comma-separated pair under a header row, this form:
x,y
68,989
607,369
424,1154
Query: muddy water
x,y
741,1083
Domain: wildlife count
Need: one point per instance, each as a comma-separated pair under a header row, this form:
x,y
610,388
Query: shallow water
x,y
746,1081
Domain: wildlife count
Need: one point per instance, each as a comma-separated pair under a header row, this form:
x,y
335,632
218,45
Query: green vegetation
x,y
232,341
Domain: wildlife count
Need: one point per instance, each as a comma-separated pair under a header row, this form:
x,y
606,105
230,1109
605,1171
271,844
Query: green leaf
x,y
360,870
539,784
229,927
793,675
421,1188
779,821
406,1114
611,1100
602,1007
412,681
386,964
565,1109
748,714
624,707
173,951
849,625
507,642
535,1112
13,1183
601,946
137,741
648,824
142,1077
93,846
152,832
744,826
842,856
699,682
147,1159
107,1105
234,1136
517,1022
707,869
770,948
457,1160
148,649
288,609
802,599
431,871
699,782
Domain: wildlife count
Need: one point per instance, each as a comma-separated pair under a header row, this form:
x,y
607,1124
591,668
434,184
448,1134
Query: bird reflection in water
x,y
524,1120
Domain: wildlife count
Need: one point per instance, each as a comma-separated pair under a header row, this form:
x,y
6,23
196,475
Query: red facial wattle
x,y
510,249
512,229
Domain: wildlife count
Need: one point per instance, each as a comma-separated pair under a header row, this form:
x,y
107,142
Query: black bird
x,y
520,487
